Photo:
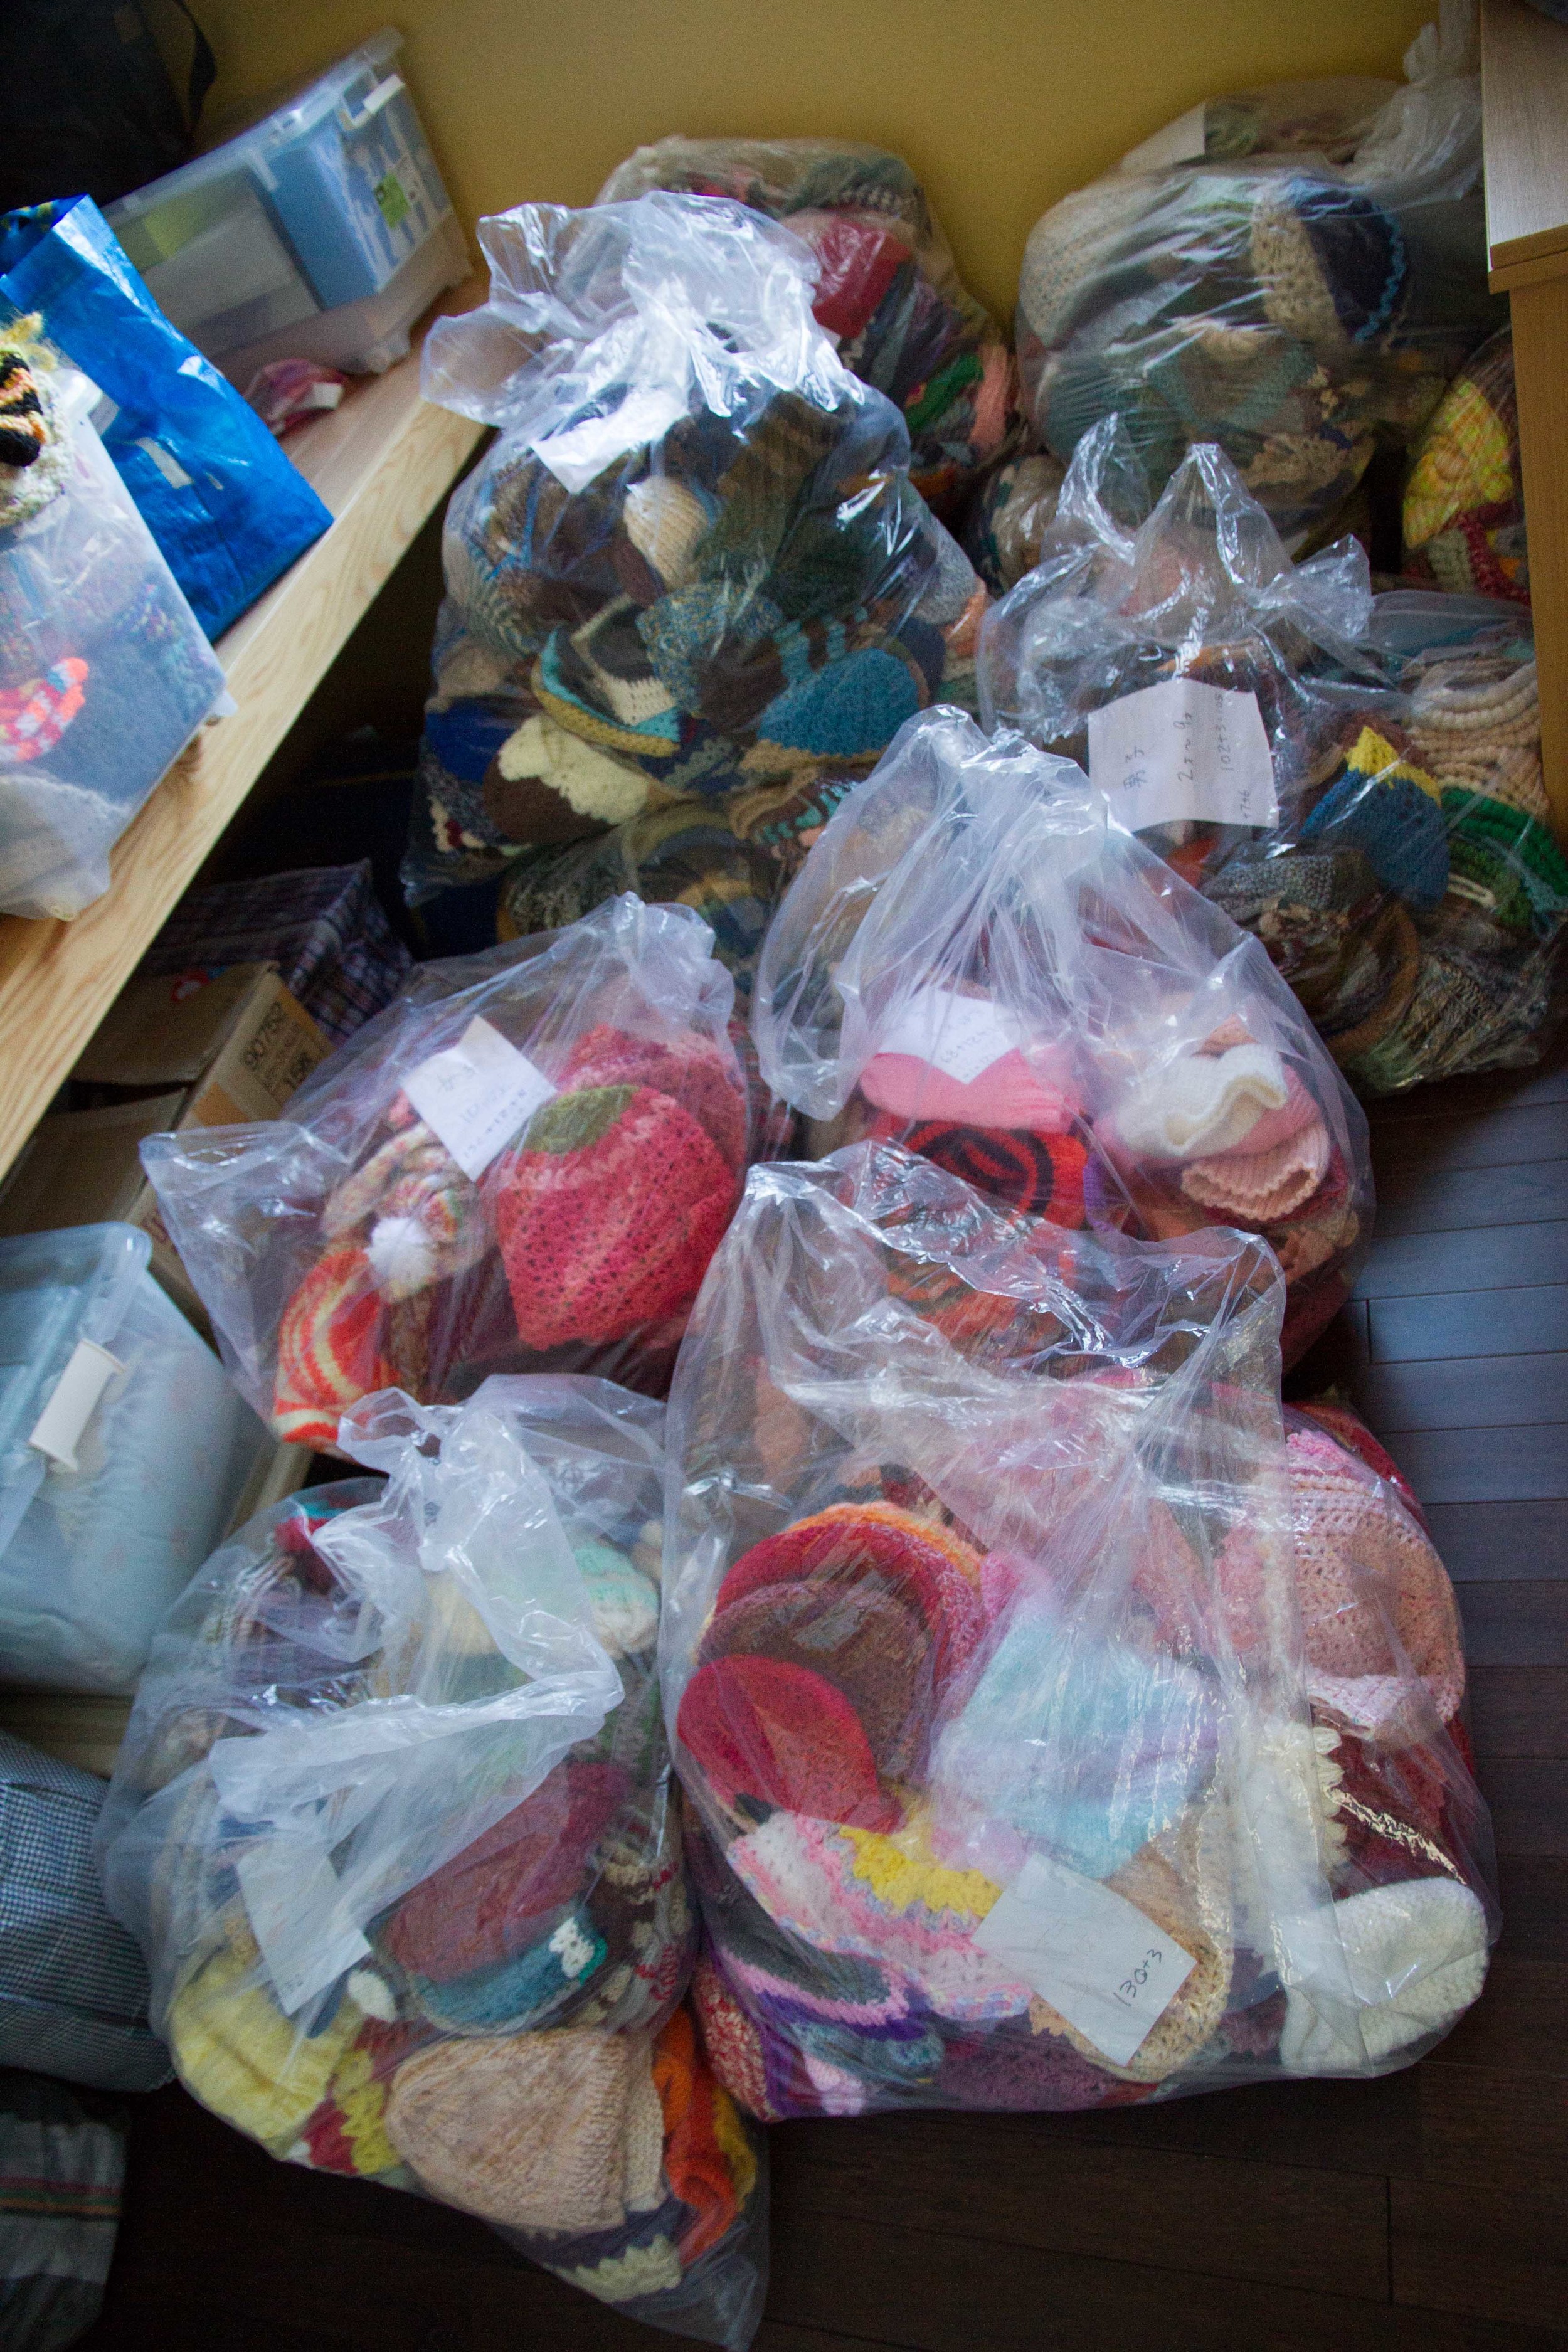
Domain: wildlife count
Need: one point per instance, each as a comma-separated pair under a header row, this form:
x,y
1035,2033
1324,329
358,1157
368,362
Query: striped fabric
x,y
61,2170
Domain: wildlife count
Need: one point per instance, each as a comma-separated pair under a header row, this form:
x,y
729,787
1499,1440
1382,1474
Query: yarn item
x,y
1201,1104
1393,812
243,2058
1257,1189
1033,1093
608,1215
1464,514
329,1349
529,2132
34,717
1416,1954
767,1733
869,1645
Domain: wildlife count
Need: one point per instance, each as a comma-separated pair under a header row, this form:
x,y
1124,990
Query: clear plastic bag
x,y
888,288
1060,1728
1355,779
394,1825
523,1164
976,962
1292,272
105,674
692,567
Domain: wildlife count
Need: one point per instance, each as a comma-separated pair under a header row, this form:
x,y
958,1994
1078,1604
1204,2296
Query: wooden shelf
x,y
1524,106
381,462
1524,78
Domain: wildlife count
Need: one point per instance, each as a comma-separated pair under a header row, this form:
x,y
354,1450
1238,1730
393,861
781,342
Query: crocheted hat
x,y
329,1349
239,2054
1018,2068
1464,512
607,1214
1390,810
764,1732
696,1073
553,2131
1415,1954
498,1897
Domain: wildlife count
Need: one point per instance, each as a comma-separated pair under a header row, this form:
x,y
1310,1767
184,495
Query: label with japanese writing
x,y
476,1094
1184,751
959,1035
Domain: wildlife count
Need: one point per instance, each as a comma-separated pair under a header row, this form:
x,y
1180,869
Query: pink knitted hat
x,y
1035,1094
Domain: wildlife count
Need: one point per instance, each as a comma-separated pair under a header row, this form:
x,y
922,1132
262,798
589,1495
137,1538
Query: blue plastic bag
x,y
225,506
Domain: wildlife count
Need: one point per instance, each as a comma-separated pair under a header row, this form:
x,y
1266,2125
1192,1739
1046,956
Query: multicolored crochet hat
x,y
1464,508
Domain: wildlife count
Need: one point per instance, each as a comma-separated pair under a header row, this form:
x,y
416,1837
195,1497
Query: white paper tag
x,y
57,1431
1100,1962
1181,142
581,453
1183,751
476,1094
297,1916
959,1035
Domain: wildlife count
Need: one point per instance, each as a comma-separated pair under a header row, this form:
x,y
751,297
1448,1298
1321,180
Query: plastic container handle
x,y
382,95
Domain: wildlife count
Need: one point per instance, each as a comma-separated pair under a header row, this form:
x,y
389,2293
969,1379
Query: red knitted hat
x,y
699,1076
848,1543
488,1903
608,1215
865,1642
329,1352
776,1733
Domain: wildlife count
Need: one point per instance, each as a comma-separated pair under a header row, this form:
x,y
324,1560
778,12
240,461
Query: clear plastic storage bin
x,y
124,1450
319,233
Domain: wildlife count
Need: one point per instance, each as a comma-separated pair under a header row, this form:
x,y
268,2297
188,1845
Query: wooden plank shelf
x,y
1524,102
381,462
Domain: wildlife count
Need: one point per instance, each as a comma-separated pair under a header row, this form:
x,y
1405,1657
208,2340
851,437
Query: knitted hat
x,y
845,1891
240,2055
764,1732
539,1983
731,2042
1259,1189
329,1349
539,2131
347,2133
697,1074
607,1214
623,1601
1392,811
1017,2068
1464,513
1041,1175
1036,1093
1415,1954
869,1644
497,1898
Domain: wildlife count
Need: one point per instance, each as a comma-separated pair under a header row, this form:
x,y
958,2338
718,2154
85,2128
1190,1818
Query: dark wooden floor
x,y
1427,2212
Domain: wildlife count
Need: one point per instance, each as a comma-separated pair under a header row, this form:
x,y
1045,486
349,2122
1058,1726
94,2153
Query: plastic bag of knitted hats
x,y
976,962
1463,500
887,289
523,1164
693,566
394,1825
1294,272
1479,983
1055,1733
1284,747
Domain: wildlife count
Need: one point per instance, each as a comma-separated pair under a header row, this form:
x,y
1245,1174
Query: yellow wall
x,y
1001,106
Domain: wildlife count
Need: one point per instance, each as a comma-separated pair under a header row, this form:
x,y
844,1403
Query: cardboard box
x,y
174,1052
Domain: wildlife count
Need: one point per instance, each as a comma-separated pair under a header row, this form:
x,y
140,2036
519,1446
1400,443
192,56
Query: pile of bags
x,y
974,963
1354,778
692,572
1064,1729
523,1164
1293,272
394,1825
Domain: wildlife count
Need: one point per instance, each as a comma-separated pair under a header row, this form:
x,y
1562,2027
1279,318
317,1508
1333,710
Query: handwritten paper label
x,y
1100,1962
297,1915
476,1094
959,1035
1184,751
